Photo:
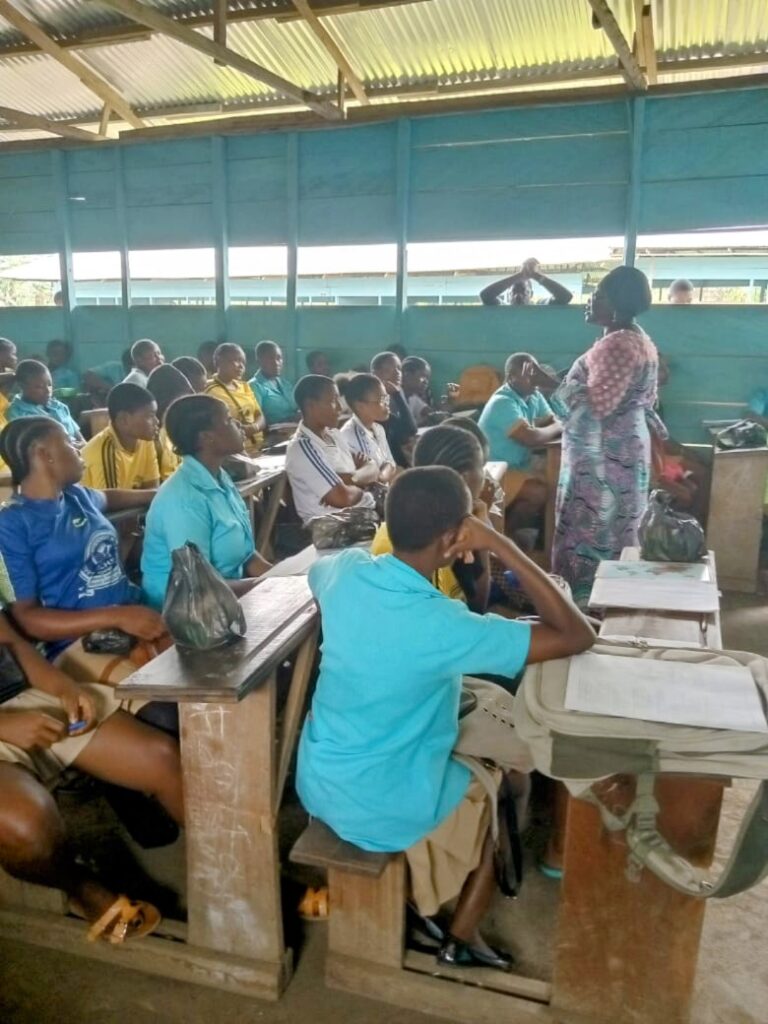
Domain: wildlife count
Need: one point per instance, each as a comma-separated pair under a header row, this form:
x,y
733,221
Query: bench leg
x,y
367,919
15,894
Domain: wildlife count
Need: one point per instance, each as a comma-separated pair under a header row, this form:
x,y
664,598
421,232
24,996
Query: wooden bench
x,y
235,761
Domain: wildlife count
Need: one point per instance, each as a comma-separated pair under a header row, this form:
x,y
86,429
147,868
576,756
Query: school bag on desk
x,y
583,749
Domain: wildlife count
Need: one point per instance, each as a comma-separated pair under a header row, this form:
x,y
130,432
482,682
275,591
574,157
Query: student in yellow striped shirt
x,y
123,455
227,384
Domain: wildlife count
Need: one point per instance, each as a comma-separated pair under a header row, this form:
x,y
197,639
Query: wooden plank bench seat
x,y
320,847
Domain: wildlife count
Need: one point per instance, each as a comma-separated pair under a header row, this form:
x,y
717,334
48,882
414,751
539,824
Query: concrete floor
x,y
38,986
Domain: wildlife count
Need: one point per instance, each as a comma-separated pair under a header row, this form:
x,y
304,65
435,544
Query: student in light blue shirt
x,y
273,393
516,419
59,355
375,758
200,502
36,399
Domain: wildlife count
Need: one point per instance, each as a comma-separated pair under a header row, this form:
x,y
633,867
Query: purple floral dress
x,y
608,397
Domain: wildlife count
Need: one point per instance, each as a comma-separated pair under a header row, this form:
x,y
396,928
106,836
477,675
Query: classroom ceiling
x,y
396,52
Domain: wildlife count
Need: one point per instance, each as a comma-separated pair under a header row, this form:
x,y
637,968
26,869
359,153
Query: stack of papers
x,y
655,586
708,696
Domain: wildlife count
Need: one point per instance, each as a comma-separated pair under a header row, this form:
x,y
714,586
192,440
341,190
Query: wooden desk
x,y
269,487
735,523
235,762
626,952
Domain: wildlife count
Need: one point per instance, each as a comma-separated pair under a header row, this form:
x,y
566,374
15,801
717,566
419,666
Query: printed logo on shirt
x,y
101,566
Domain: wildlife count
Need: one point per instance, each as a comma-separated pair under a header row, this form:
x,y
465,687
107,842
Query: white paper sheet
x,y
655,586
709,696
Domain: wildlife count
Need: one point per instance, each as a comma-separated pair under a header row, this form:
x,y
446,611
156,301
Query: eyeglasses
x,y
381,400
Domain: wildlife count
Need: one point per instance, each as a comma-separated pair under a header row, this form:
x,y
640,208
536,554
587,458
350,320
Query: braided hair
x,y
17,440
448,446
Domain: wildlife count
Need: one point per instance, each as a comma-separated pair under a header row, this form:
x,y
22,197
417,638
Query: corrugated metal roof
x,y
431,43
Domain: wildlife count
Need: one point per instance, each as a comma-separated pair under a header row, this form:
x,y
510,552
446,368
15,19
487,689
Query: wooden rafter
x,y
90,79
220,22
106,113
645,42
150,16
21,119
630,69
330,45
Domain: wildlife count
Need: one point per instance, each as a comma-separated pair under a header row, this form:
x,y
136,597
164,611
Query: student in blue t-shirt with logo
x,y
62,553
375,758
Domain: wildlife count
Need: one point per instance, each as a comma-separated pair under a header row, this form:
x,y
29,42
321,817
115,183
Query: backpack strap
x,y
746,866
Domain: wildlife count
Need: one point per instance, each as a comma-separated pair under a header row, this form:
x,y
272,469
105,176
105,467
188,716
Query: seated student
x,y
36,399
8,363
319,464
318,364
61,551
375,758
493,493
205,356
517,289
227,384
460,451
273,392
59,356
123,454
145,356
166,384
50,725
368,401
517,419
400,427
194,371
99,380
417,377
214,516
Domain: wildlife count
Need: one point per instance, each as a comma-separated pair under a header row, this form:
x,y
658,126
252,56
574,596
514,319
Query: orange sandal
x,y
124,920
314,905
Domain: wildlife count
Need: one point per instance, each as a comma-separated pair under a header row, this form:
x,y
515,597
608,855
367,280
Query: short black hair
x,y
515,362
423,504
7,343
354,387
59,343
310,388
468,424
415,364
190,367
127,397
265,346
627,291
682,284
312,358
166,383
28,370
448,446
188,417
141,347
227,348
17,439
381,359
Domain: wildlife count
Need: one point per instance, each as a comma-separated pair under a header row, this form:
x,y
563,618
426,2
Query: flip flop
x,y
556,874
314,905
125,919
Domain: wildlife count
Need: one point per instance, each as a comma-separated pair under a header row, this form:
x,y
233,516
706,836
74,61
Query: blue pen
x,y
76,726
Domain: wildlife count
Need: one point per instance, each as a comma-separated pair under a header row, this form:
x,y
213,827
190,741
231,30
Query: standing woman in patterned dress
x,y
609,395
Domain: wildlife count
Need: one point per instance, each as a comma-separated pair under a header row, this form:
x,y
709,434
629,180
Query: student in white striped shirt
x,y
368,401
319,463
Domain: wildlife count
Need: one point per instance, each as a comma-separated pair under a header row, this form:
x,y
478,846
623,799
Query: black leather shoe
x,y
456,953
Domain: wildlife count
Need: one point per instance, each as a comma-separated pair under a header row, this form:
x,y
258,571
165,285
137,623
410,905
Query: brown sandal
x,y
314,905
124,920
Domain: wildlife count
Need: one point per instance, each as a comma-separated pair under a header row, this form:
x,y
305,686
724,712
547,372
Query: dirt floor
x,y
38,986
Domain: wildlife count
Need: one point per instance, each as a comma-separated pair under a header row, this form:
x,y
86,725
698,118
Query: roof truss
x,y
604,18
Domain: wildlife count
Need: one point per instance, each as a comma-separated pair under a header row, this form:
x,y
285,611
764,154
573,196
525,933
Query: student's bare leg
x,y
130,753
475,898
33,842
527,506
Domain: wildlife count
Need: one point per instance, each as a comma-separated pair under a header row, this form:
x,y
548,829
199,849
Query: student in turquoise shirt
x,y
36,399
200,502
274,395
518,417
59,356
375,759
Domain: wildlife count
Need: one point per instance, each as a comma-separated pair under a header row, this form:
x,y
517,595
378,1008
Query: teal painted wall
x,y
611,168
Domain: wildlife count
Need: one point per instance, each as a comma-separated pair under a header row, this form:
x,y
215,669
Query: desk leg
x,y
553,475
627,952
271,508
230,767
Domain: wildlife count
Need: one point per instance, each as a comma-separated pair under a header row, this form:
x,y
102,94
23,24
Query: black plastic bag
x,y
344,528
200,610
744,434
667,535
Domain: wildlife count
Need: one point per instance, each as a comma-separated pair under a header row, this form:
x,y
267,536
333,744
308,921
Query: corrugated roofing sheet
x,y
428,43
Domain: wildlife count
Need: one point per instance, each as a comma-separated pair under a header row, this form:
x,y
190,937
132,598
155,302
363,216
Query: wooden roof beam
x,y
90,79
21,119
220,22
602,17
333,49
645,42
152,18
